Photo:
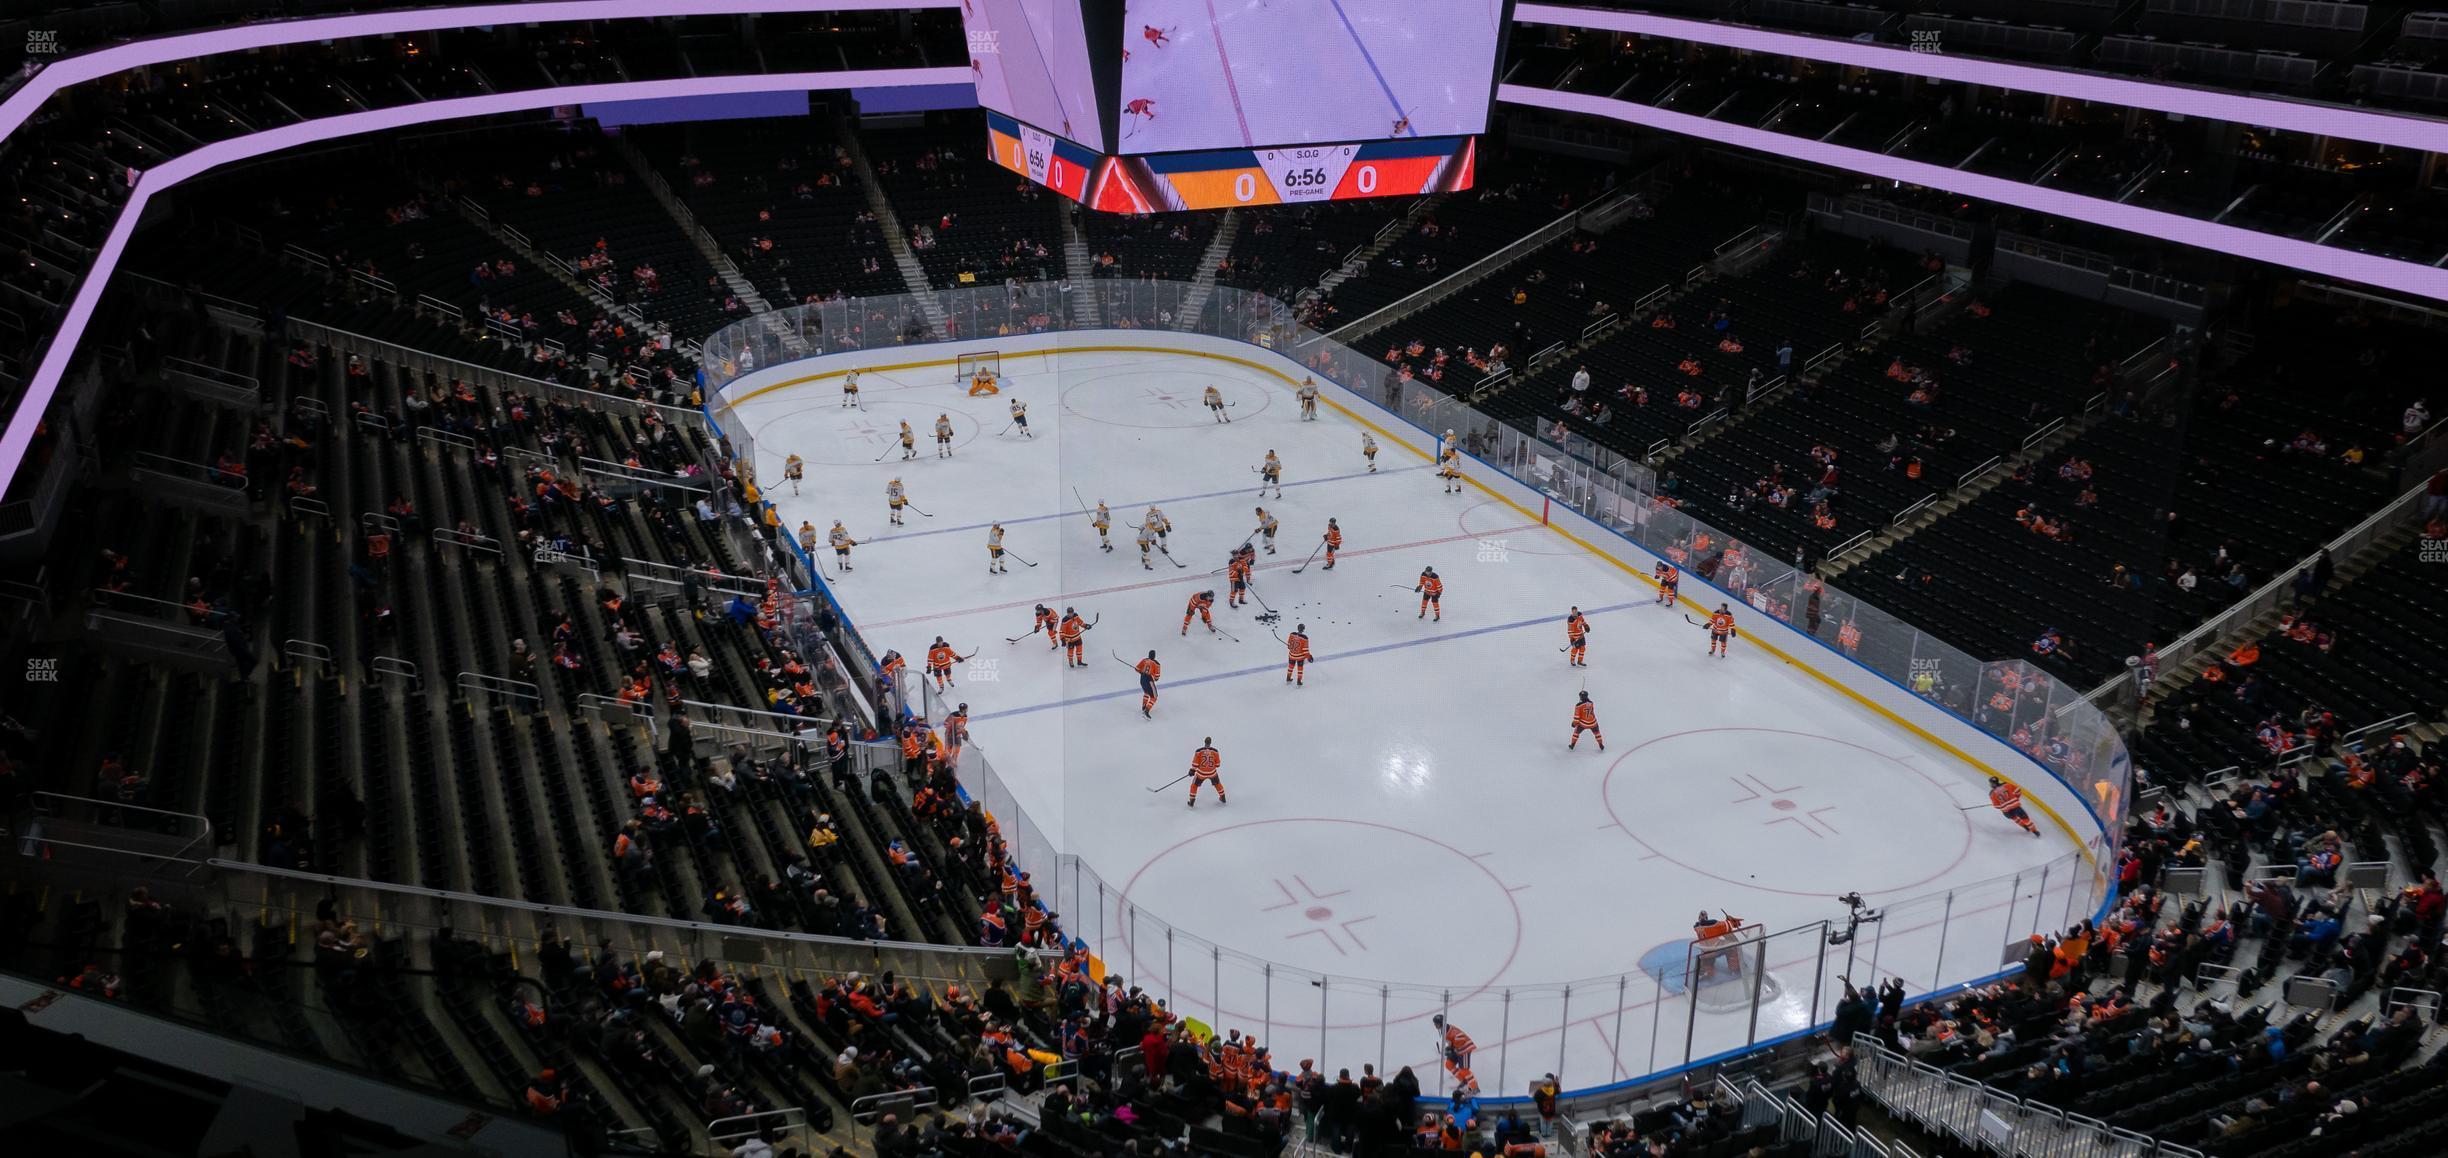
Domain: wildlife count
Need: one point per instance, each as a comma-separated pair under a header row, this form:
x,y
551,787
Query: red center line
x,y
1217,31
1196,578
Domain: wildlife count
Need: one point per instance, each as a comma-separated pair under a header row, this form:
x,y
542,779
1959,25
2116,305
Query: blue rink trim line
x,y
1135,503
1371,61
1320,658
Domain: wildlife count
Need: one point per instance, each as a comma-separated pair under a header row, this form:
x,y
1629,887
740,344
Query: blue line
x,y
1127,506
1371,62
1319,659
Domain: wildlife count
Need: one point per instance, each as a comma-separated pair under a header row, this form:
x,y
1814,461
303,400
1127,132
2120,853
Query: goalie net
x,y
1717,960
1725,971
971,365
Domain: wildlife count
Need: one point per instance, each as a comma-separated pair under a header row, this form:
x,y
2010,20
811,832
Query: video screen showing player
x,y
1030,61
1215,74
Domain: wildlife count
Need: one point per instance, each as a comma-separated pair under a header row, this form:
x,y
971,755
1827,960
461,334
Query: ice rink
x,y
1407,831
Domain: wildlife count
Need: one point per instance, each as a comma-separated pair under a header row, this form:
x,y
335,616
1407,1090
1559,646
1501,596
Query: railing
x,y
209,381
422,361
1978,1117
129,854
1468,275
2403,511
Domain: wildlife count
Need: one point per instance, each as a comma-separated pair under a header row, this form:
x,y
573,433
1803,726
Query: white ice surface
x,y
1409,825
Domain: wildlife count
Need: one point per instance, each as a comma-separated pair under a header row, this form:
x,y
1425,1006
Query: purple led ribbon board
x,y
2402,130
2344,264
46,379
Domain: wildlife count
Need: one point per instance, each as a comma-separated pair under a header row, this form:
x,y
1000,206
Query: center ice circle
x,y
1316,895
1787,812
1160,396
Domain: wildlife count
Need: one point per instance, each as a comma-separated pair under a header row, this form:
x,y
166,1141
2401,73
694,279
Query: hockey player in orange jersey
x,y
1432,594
2008,800
1072,629
1296,656
1576,637
1202,606
940,658
1585,719
1204,764
1149,672
1721,630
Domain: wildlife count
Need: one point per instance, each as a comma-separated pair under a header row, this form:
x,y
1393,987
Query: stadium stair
x,y
896,235
1079,266
686,219
1202,286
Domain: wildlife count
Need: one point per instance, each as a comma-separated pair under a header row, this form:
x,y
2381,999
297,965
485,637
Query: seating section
x,y
2321,685
1517,193
1164,246
788,209
2198,507
1905,421
1282,251
572,193
969,219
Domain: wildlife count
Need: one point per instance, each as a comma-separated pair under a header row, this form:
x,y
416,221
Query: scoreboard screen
x,y
1148,77
1225,178
1032,60
1217,74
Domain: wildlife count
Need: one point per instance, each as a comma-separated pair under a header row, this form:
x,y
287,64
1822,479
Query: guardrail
x,y
468,539
2405,509
1822,358
396,668
1468,275
1987,465
1984,1119
212,382
473,683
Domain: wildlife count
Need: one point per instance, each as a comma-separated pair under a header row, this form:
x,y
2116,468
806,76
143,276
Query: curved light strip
x,y
2327,261
46,379
2403,130
102,62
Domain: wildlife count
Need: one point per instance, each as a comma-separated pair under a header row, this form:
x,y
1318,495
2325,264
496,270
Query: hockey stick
x,y
1170,783
1016,555
1400,587
1160,549
1313,554
1970,807
1082,501
914,507
887,450
1222,632
1007,428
